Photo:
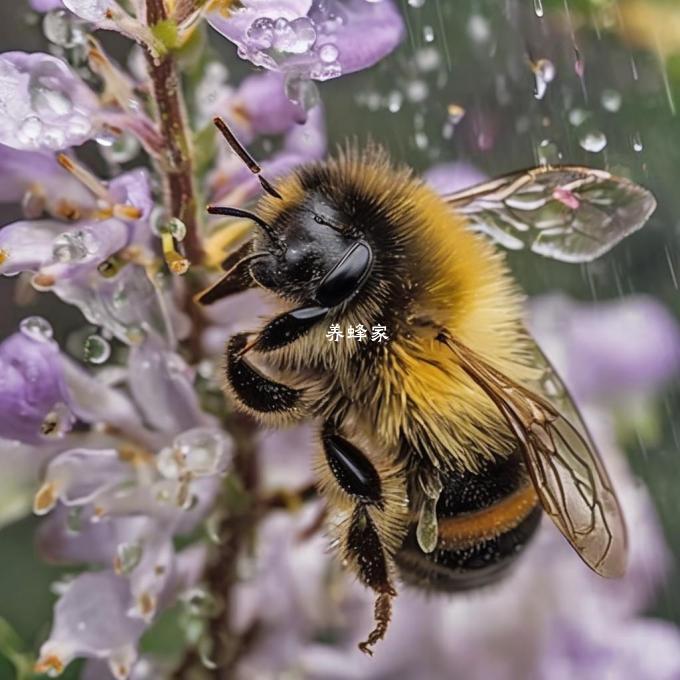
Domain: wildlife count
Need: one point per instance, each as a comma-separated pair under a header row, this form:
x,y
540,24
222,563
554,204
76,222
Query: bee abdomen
x,y
485,520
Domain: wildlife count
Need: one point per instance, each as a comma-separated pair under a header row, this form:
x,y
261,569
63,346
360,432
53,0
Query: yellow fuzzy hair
x,y
416,393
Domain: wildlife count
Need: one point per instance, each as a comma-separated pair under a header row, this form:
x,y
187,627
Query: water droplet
x,y
33,203
417,91
73,246
394,101
128,556
63,28
105,137
611,100
302,91
200,602
544,72
637,142
97,350
201,451
578,116
123,149
428,34
47,102
538,8
295,37
416,3
29,130
427,531
478,28
177,228
36,328
261,33
456,113
328,53
593,141
421,140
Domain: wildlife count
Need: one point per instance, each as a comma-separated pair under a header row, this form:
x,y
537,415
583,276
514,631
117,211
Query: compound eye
x,y
353,471
347,276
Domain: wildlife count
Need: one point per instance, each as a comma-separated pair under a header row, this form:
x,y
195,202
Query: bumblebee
x,y
440,449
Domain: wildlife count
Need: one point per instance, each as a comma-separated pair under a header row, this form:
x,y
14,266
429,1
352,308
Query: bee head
x,y
304,243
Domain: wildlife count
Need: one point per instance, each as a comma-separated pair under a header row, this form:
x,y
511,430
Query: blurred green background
x,y
617,70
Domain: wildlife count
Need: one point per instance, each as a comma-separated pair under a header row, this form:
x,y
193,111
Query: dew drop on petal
x,y
73,246
128,556
36,328
594,141
261,33
29,130
328,53
97,349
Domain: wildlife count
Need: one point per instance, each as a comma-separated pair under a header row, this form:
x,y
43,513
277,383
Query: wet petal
x,y
312,40
43,104
32,389
162,385
27,245
90,620
45,5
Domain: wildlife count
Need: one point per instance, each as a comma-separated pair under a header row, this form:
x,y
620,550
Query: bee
x,y
439,450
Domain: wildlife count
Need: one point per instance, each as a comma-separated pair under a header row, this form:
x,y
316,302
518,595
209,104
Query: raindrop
x,y
394,101
201,451
578,116
611,100
295,37
637,142
328,53
36,328
62,28
72,246
538,8
123,149
177,228
421,140
302,91
428,34
427,531
593,141
106,137
455,113
29,130
128,556
416,3
261,33
417,91
97,350
544,71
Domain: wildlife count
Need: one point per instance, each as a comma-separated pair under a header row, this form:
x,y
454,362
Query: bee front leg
x,y
270,401
236,280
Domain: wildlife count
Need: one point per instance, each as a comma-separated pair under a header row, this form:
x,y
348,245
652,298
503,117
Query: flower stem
x,y
176,165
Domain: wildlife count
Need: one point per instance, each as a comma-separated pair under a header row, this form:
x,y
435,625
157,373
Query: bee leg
x,y
364,548
356,475
236,280
259,394
284,329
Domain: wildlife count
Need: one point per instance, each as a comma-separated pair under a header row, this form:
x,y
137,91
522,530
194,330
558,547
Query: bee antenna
x,y
237,212
243,154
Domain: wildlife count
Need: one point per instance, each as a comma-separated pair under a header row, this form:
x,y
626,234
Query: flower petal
x,y
44,105
32,387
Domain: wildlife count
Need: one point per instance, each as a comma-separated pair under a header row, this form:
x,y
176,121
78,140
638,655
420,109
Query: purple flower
x,y
319,40
610,349
45,5
44,104
34,399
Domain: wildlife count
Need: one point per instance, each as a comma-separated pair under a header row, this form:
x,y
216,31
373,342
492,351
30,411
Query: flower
x,y
321,40
34,399
44,105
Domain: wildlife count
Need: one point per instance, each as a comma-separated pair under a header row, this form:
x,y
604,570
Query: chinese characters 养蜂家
x,y
377,333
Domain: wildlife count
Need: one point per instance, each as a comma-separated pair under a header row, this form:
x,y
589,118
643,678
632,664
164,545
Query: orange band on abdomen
x,y
463,531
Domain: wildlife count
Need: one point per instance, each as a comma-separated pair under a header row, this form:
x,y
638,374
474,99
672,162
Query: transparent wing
x,y
566,213
569,477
